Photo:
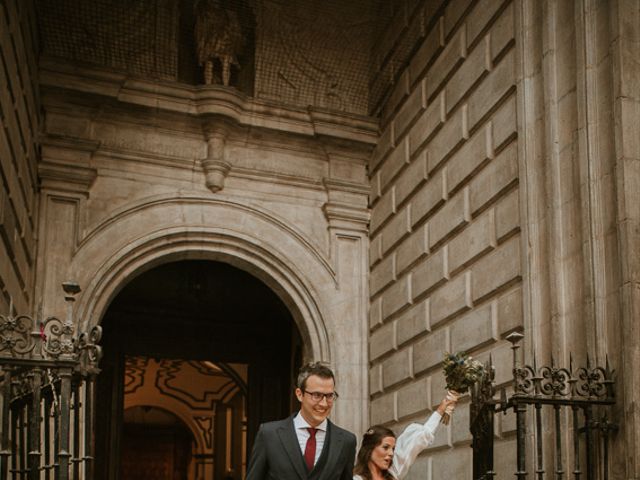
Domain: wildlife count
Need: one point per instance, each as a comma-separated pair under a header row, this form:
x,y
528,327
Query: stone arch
x,y
185,228
175,409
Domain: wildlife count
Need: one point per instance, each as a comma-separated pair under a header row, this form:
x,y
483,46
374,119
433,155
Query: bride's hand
x,y
449,402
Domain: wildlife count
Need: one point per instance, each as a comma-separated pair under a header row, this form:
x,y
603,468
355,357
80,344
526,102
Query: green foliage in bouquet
x,y
461,371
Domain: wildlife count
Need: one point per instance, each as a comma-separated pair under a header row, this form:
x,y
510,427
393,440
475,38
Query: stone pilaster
x,y
348,219
66,177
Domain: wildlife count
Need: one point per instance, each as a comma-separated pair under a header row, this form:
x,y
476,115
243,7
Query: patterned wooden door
x,y
153,453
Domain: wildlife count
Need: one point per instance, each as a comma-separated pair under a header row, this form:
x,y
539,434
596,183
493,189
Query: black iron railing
x,y
583,391
47,393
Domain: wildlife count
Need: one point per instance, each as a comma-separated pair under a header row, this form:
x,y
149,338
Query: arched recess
x,y
210,398
177,410
150,447
197,227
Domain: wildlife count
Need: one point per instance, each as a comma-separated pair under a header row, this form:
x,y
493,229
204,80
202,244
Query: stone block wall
x,y
445,229
19,118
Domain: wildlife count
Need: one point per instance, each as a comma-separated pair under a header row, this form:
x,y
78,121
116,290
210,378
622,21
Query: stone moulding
x,y
201,101
340,210
292,284
66,177
221,115
197,199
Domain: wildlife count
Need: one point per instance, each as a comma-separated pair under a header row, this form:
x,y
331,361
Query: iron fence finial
x,y
514,338
570,362
579,388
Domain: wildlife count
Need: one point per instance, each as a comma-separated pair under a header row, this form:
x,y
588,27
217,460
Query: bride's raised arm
x,y
416,437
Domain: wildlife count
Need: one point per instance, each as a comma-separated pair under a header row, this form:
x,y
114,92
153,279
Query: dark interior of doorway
x,y
155,449
197,310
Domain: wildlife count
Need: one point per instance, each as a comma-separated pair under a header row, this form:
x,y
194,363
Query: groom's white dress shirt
x,y
301,426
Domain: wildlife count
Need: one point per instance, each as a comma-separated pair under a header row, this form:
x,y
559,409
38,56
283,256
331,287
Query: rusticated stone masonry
x,y
19,120
445,229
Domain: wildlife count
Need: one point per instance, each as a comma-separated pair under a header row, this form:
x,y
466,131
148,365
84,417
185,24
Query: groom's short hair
x,y
318,369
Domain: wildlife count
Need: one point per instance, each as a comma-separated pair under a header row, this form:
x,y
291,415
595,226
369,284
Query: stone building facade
x,y
21,121
415,177
504,197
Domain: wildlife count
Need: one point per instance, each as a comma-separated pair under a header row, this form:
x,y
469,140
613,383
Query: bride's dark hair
x,y
370,440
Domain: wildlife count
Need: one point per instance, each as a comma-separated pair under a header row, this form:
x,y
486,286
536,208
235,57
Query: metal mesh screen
x,y
139,37
297,52
315,53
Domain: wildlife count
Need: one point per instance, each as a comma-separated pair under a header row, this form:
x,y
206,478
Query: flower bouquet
x,y
461,371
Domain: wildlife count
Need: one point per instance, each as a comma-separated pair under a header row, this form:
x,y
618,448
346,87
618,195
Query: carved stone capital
x,y
346,207
346,217
65,164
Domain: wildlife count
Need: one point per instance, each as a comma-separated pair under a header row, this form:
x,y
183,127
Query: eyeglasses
x,y
318,396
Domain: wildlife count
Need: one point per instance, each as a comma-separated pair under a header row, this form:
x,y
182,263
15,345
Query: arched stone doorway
x,y
320,278
195,315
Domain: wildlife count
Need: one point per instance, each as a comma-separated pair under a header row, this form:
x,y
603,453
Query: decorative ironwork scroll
x,y
584,384
47,393
584,392
16,335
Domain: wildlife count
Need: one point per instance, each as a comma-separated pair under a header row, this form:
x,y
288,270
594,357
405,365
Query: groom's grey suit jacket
x,y
277,455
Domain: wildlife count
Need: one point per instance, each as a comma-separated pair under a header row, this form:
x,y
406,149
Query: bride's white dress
x,y
414,439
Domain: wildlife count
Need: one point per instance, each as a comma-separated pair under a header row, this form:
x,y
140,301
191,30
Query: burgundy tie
x,y
310,449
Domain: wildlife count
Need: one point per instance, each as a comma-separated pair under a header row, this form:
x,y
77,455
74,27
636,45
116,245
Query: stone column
x,y
531,144
624,45
578,131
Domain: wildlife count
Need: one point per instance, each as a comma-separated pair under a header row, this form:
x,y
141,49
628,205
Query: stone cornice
x,y
62,176
206,102
347,217
346,186
346,208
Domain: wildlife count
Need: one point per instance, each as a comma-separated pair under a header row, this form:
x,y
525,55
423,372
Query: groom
x,y
306,445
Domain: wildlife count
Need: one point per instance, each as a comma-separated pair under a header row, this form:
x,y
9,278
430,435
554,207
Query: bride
x,y
383,456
